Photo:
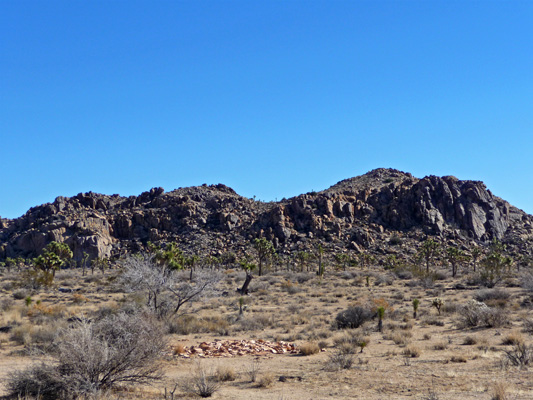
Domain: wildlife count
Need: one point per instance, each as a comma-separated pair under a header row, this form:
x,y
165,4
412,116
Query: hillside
x,y
357,214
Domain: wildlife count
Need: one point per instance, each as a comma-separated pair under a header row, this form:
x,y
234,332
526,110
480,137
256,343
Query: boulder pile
x,y
234,348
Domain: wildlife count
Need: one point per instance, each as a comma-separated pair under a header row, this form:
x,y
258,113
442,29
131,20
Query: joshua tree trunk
x,y
244,289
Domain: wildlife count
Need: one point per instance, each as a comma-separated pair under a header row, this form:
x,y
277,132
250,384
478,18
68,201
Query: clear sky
x,y
272,98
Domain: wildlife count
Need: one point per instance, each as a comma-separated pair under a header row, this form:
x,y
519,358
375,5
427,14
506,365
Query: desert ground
x,y
437,355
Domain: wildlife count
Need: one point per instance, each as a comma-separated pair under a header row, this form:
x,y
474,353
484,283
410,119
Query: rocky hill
x,y
357,214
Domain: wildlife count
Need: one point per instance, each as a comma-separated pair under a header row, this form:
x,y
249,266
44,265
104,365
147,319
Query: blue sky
x,y
272,98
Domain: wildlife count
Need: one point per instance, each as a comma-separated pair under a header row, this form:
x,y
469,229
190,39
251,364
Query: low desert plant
x,y
499,391
352,317
309,348
201,382
411,352
225,373
475,313
265,381
339,359
513,338
469,340
520,355
96,356
252,370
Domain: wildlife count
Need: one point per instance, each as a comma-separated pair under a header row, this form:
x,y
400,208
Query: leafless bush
x,y
252,369
520,355
166,290
96,356
475,313
340,359
201,382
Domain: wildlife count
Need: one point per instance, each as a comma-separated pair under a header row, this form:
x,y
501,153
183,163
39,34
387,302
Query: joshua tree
x,y
303,259
416,303
455,256
53,257
366,259
381,314
476,253
248,267
321,267
438,303
428,252
265,250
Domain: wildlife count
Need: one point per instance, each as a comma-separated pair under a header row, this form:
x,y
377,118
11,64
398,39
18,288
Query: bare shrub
x,y
339,359
40,380
528,326
96,356
252,370
475,313
353,317
521,355
201,382
166,290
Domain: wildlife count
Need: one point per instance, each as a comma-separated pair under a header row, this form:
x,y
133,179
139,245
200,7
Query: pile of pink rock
x,y
233,348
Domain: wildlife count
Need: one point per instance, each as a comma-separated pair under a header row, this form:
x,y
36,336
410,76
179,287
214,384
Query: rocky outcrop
x,y
356,214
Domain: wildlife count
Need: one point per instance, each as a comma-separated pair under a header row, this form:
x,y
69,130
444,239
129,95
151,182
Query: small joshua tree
x,y
438,303
381,314
416,303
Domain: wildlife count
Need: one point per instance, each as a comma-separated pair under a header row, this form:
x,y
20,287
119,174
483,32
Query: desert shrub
x,y
433,321
458,359
309,348
339,359
411,352
42,381
491,294
21,334
383,279
469,341
20,294
6,304
499,391
399,338
512,338
201,382
520,355
252,370
528,325
96,356
352,317
265,381
475,313
440,346
225,373
302,277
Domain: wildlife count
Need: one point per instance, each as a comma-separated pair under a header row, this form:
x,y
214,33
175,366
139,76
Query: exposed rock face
x,y
356,213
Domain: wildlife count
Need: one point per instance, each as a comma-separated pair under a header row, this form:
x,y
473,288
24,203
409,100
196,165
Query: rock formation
x,y
358,213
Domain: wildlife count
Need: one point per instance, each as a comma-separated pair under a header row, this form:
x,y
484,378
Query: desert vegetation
x,y
164,324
